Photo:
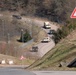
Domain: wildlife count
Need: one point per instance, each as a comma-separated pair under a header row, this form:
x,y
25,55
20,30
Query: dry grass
x,y
65,50
13,27
16,60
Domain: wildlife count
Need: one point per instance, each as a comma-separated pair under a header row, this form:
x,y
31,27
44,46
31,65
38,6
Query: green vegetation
x,y
63,51
55,10
64,31
25,37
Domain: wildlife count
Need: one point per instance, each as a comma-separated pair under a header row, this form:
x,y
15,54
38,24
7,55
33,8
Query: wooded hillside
x,y
55,10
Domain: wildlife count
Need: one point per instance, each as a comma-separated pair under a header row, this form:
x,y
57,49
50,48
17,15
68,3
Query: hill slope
x,y
55,10
64,51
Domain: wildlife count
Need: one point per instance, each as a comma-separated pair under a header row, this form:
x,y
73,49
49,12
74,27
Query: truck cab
x,y
52,31
35,49
17,16
46,39
47,25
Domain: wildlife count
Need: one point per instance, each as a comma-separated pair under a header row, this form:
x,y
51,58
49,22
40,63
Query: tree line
x,y
55,10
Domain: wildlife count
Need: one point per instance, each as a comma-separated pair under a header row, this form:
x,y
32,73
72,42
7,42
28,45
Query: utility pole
x,y
18,4
3,28
8,38
15,51
8,44
22,36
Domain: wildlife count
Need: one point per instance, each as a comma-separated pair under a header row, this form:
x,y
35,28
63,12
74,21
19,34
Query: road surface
x,y
10,71
55,72
15,71
43,48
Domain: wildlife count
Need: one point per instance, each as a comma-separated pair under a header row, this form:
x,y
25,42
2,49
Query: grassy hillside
x,y
10,31
55,10
64,51
16,60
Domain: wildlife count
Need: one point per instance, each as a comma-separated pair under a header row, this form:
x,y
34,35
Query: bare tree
x,y
35,32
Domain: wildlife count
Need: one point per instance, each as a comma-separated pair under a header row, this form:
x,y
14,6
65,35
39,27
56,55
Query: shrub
x,y
62,33
25,37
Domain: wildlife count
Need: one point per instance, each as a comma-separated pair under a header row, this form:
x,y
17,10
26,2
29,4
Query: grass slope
x,y
17,60
64,51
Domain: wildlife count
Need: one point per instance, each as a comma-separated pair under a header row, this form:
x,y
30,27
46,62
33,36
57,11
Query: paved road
x,y
43,47
55,72
8,71
39,22
14,71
